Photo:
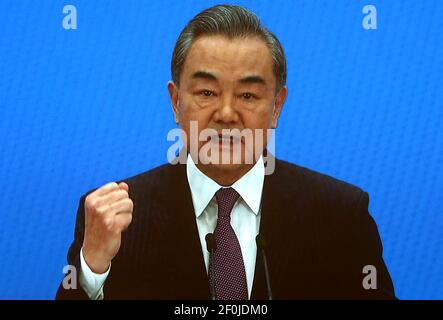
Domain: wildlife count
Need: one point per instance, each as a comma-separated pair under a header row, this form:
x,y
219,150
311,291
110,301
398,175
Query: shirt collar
x,y
203,188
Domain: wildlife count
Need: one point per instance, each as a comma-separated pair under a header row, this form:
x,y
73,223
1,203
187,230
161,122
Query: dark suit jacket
x,y
318,231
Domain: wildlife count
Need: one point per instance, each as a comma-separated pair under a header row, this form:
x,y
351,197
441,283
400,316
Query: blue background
x,y
79,108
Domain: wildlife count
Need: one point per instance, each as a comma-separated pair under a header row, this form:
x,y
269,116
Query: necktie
x,y
229,269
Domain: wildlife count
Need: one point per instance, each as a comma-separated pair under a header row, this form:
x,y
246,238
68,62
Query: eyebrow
x,y
203,75
253,79
210,76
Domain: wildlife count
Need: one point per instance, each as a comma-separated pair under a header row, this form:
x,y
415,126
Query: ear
x,y
280,99
173,95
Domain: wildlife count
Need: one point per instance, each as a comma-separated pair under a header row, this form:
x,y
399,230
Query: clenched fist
x,y
108,212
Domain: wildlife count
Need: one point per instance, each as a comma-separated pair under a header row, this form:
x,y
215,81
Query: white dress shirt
x,y
245,220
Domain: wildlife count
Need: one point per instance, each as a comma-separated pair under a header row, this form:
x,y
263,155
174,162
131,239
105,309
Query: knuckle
x,y
128,219
88,200
91,207
108,223
130,204
100,210
125,225
93,204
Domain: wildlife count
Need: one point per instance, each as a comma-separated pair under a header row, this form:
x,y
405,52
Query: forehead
x,y
229,58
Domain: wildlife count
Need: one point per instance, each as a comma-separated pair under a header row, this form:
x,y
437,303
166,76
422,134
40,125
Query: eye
x,y
247,95
207,93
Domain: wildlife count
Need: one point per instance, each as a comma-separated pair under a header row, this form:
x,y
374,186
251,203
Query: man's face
x,y
227,84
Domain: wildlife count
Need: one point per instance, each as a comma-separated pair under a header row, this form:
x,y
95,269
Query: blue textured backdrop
x,y
83,107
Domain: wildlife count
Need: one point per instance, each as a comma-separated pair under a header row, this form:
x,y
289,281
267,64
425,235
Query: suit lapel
x,y
190,261
276,228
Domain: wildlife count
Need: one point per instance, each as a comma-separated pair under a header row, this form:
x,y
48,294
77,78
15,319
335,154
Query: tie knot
x,y
226,198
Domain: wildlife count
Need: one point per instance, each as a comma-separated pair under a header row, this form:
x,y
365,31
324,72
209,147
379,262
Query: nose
x,y
226,112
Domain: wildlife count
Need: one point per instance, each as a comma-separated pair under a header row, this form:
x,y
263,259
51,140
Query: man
x,y
189,231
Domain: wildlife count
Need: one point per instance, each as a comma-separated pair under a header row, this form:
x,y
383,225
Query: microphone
x,y
211,246
261,246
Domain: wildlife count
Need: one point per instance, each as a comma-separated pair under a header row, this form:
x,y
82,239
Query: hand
x,y
108,212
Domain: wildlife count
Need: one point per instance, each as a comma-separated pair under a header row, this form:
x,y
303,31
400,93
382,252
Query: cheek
x,y
258,119
195,118
190,110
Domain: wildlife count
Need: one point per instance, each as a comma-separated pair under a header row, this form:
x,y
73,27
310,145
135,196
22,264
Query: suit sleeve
x,y
74,258
371,250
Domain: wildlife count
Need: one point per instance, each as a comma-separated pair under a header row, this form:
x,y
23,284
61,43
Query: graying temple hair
x,y
233,22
